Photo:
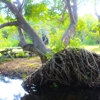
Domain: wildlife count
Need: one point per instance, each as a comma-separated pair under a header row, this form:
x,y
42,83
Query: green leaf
x,y
85,77
49,55
8,0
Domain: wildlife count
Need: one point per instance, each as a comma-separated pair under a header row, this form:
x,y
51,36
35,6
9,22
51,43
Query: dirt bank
x,y
19,67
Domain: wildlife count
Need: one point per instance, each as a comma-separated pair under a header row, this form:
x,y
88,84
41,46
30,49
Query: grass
x,y
95,49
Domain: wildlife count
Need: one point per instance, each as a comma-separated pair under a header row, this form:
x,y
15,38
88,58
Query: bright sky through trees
x,y
88,9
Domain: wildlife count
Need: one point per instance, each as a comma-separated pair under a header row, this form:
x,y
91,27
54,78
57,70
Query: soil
x,y
19,67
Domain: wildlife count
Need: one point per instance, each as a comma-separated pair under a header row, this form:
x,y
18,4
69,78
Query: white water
x,y
11,89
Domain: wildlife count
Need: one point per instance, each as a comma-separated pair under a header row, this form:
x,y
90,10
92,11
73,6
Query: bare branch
x,y
9,24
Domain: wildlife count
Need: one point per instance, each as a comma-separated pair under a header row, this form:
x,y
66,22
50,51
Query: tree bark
x,y
73,19
9,24
30,47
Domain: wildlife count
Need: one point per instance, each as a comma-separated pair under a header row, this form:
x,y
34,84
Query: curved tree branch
x,y
73,19
9,24
70,11
74,7
30,47
22,23
22,42
26,27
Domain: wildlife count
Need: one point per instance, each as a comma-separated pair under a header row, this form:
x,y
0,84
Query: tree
x,y
17,8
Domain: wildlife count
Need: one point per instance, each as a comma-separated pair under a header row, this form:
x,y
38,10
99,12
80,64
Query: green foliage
x,y
81,25
7,42
0,55
4,42
49,55
55,42
38,13
91,38
21,54
35,12
54,84
15,43
87,30
86,77
2,19
24,76
51,15
76,42
95,26
8,0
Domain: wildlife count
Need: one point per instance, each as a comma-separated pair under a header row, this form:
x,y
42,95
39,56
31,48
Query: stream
x,y
11,89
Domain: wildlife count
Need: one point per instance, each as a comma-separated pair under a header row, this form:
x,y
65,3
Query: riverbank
x,y
22,67
19,68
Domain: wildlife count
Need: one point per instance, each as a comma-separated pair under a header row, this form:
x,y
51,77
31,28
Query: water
x,y
11,89
64,93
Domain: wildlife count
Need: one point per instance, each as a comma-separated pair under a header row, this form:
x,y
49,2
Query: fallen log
x,y
71,67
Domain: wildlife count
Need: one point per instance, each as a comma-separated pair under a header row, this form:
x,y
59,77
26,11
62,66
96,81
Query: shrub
x,y
76,42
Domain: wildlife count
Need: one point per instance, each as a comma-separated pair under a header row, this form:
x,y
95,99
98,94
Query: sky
x,y
88,9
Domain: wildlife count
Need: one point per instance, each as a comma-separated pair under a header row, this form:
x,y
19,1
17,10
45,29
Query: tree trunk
x,y
38,44
73,20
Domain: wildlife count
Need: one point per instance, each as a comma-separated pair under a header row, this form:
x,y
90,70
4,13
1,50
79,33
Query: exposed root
x,y
74,67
